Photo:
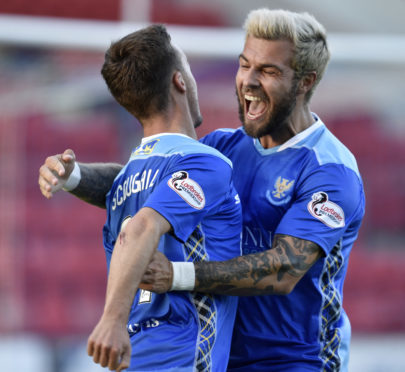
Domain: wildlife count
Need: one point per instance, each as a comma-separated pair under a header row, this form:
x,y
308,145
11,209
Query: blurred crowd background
x,y
52,264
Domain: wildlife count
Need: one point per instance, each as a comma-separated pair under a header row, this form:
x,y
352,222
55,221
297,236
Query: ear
x,y
178,82
307,82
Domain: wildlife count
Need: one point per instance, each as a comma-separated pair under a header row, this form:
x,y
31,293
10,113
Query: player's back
x,y
189,184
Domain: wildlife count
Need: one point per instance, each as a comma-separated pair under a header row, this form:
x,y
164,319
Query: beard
x,y
277,123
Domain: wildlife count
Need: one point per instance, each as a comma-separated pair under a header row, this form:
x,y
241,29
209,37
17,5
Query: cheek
x,y
274,91
238,79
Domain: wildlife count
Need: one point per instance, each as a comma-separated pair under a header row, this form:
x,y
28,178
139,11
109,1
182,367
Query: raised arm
x,y
94,182
275,271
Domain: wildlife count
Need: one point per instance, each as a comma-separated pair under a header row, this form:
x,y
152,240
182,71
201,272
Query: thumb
x,y
126,358
68,156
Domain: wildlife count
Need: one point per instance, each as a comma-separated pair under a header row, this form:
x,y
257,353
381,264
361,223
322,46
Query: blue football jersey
x,y
190,184
309,188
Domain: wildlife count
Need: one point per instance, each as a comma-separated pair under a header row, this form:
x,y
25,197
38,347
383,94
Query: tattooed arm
x,y
96,178
275,271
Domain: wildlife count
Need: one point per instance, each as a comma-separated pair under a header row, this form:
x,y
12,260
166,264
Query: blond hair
x,y
307,35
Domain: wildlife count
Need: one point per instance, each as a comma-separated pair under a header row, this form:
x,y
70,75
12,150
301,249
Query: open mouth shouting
x,y
255,106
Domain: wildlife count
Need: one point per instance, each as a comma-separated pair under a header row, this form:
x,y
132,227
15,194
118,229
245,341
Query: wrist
x,y
74,179
183,276
116,319
117,312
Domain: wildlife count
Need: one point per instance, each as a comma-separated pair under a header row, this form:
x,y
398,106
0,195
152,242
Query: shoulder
x,y
206,153
175,146
223,135
329,150
187,154
330,169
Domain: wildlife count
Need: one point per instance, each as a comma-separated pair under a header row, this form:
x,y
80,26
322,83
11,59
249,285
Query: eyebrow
x,y
263,65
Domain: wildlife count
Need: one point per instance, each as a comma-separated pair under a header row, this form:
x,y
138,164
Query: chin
x,y
251,130
255,130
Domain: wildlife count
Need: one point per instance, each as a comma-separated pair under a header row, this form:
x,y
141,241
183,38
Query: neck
x,y
297,122
168,123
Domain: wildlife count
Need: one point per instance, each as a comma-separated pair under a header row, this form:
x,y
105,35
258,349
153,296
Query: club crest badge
x,y
326,211
145,148
281,192
189,190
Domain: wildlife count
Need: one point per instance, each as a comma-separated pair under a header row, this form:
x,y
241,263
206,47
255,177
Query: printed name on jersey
x,y
133,184
145,148
326,211
134,328
281,192
189,190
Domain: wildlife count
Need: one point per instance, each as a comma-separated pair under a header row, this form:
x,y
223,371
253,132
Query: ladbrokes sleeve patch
x,y
326,211
189,190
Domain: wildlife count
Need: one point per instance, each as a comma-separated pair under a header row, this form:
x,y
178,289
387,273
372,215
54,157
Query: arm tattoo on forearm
x,y
259,273
96,180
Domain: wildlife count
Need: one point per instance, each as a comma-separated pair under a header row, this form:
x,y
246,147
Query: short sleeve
x,y
328,201
194,186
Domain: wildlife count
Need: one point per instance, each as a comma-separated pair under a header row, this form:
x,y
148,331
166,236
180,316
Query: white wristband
x,y
183,276
74,179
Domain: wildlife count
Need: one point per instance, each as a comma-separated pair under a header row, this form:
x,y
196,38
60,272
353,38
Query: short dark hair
x,y
138,70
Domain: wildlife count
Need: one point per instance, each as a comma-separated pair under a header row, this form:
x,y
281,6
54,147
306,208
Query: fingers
x,y
115,358
47,175
103,354
125,359
47,181
104,357
90,347
68,156
55,171
97,353
112,360
54,164
158,276
45,188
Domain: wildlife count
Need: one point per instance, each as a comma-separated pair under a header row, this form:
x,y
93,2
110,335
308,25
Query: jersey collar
x,y
146,139
292,141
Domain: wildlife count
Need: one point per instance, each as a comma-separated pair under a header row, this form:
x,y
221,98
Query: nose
x,y
250,78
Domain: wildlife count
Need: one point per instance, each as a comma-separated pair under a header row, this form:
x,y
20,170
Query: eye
x,y
269,72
